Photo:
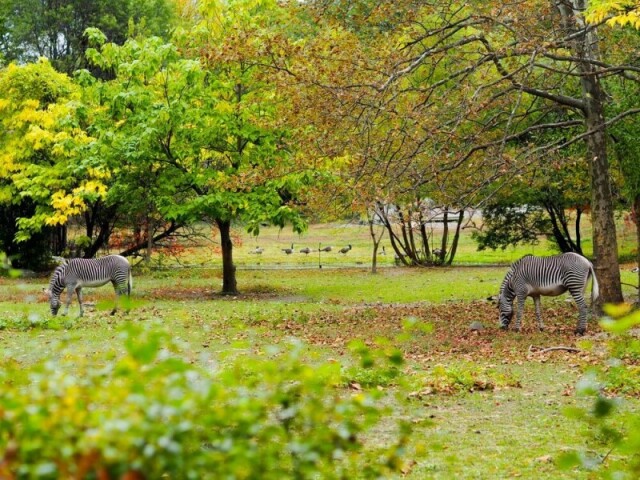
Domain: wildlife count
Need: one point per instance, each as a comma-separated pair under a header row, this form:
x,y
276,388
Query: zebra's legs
x,y
536,302
79,294
578,296
70,291
120,290
521,299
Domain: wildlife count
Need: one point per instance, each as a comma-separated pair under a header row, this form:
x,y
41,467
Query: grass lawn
x,y
484,405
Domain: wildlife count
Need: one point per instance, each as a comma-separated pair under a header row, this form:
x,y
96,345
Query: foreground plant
x,y
148,413
614,429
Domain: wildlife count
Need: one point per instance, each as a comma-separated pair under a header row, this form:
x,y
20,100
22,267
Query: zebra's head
x,y
54,301
505,300
505,306
56,286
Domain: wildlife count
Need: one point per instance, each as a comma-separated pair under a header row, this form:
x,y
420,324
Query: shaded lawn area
x,y
509,424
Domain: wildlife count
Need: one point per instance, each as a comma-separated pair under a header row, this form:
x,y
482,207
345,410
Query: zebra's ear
x,y
493,299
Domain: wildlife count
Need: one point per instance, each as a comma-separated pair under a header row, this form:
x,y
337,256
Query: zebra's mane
x,y
56,278
506,283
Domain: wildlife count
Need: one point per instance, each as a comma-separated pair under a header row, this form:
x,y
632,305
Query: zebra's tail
x,y
595,291
129,283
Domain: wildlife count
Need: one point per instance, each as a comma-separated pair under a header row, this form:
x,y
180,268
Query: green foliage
x,y
452,380
55,30
42,180
616,430
150,413
507,225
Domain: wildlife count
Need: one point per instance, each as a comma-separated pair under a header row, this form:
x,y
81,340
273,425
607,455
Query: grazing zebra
x,y
549,276
80,272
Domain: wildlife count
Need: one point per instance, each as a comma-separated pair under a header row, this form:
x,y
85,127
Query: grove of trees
x,y
153,115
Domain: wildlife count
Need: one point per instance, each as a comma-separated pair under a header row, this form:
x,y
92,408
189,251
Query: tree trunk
x,y
578,236
445,236
560,238
229,283
605,243
143,242
149,233
636,218
456,238
371,216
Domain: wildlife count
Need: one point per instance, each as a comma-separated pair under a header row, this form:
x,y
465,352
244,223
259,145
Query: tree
x,y
204,140
54,29
626,149
43,181
505,74
548,201
260,173
623,13
618,12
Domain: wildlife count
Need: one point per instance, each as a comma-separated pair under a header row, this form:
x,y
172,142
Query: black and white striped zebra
x,y
549,276
80,272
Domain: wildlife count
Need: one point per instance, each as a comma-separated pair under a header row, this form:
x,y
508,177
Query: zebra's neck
x,y
56,285
506,289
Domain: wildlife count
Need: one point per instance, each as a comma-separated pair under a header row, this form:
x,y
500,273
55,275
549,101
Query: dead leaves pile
x,y
450,334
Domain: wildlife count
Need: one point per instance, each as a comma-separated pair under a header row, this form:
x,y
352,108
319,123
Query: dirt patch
x,y
207,294
449,331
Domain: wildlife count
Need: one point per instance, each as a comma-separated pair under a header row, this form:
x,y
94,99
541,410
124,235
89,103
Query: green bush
x,y
148,413
456,379
615,429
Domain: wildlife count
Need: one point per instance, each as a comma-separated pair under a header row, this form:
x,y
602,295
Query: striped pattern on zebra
x,y
546,276
80,272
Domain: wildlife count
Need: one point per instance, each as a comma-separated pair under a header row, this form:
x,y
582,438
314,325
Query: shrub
x,y
148,413
615,429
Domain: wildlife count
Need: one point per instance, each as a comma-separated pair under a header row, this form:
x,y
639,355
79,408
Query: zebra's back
x,y
541,272
98,271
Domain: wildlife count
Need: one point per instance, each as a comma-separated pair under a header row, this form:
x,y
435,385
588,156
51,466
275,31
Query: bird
x,y
635,270
305,250
288,251
257,250
326,249
345,249
383,252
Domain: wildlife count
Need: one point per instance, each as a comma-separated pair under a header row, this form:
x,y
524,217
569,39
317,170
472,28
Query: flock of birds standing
x,y
305,250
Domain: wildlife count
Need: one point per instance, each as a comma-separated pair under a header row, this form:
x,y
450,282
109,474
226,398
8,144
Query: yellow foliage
x,y
99,173
621,12
91,187
7,164
38,138
69,204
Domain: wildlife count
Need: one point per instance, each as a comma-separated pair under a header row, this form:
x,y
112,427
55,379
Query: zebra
x,y
549,276
80,272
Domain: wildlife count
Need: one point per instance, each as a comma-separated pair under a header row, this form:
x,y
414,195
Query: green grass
x,y
514,429
338,235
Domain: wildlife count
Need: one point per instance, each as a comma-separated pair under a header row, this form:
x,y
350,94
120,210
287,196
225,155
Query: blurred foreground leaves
x,y
143,411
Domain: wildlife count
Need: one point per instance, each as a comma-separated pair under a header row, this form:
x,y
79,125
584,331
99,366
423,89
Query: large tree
x,y
197,141
54,29
487,80
43,180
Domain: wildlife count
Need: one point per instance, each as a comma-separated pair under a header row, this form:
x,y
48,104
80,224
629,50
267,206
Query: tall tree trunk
x,y
149,233
456,238
636,218
578,237
445,236
605,243
229,283
560,239
371,217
